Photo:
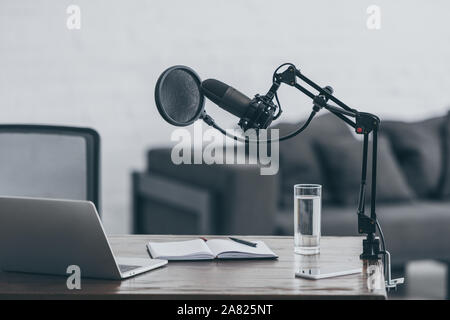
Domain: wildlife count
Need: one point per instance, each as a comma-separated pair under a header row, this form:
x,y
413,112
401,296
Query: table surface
x,y
222,279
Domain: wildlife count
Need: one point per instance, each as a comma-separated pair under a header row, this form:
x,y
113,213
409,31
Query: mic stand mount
x,y
364,124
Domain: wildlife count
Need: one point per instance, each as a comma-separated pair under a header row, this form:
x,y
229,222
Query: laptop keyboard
x,y
125,268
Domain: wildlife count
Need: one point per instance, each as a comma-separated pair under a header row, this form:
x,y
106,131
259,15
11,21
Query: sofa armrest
x,y
249,201
245,200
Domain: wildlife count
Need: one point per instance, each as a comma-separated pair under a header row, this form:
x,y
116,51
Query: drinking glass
x,y
307,216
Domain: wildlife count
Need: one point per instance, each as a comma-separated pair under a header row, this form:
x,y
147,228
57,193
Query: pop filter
x,y
178,96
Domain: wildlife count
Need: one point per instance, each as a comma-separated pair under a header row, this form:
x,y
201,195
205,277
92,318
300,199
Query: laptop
x,y
47,236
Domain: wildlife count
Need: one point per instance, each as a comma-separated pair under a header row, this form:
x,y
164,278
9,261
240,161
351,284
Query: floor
x,y
424,280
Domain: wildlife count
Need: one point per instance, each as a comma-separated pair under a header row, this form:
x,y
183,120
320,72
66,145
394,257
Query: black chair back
x,y
50,162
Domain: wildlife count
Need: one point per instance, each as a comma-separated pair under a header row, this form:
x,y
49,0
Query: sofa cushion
x,y
342,160
299,162
419,149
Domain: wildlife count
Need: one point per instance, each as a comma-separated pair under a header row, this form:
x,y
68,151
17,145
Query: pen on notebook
x,y
203,238
247,243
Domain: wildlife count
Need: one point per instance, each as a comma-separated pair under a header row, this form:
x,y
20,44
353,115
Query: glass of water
x,y
307,212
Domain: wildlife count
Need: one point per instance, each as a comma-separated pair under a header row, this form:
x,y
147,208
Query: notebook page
x,y
224,248
180,250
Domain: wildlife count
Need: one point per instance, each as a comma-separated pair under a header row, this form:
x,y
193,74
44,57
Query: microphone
x,y
226,97
256,113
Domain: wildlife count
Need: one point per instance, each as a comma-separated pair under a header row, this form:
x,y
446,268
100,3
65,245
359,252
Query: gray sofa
x,y
413,188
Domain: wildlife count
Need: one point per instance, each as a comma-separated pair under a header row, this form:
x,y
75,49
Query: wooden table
x,y
223,279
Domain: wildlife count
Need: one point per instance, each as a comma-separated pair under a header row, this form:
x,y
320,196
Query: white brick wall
x,y
103,75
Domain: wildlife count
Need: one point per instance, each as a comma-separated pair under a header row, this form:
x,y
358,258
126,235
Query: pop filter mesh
x,y
179,96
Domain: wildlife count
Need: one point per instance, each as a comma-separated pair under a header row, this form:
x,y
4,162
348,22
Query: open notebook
x,y
212,249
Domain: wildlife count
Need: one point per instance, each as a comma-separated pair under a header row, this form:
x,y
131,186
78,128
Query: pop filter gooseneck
x,y
246,140
178,96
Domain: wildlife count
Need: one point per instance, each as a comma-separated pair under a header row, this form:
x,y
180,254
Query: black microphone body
x,y
226,97
256,113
